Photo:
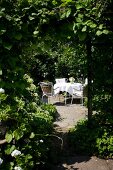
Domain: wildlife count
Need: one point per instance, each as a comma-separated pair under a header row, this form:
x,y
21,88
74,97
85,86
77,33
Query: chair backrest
x,y
47,88
61,80
83,92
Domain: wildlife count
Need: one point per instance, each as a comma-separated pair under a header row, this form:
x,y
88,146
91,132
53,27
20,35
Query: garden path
x,y
68,116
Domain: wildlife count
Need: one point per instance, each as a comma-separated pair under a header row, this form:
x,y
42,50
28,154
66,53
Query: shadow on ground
x,y
70,162
84,163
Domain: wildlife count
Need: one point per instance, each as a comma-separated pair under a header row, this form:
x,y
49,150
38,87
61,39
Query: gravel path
x,y
68,116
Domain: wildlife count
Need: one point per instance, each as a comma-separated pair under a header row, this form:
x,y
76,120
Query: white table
x,y
67,87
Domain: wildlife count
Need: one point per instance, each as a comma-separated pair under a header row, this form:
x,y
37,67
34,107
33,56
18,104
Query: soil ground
x,y
68,116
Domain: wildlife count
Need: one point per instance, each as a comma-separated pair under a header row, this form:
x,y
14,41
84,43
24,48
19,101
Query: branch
x,y
2,141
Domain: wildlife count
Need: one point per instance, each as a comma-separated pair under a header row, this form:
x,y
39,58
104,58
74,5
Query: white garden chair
x,y
61,80
80,94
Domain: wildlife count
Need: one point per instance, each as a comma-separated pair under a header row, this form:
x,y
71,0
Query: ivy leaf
x,y
8,137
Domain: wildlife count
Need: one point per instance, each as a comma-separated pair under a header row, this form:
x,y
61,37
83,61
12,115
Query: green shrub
x,y
28,126
27,132
50,109
94,140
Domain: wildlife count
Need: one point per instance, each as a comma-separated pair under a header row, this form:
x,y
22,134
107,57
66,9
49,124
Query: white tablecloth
x,y
67,87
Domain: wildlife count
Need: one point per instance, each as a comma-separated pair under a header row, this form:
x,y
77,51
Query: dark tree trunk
x,y
90,73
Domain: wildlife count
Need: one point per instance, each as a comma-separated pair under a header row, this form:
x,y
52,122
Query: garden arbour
x,y
26,23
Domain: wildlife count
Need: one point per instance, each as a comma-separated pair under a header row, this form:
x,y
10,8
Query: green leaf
x,y
35,32
63,15
2,31
32,135
82,36
0,72
80,15
2,12
31,18
8,17
17,19
78,6
100,26
34,14
8,137
105,31
68,12
98,32
11,164
18,134
18,36
66,1
84,28
93,25
7,46
9,149
78,20
54,2
28,156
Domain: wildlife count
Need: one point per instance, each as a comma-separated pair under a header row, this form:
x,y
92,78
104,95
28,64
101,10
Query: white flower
x,y
2,90
35,94
41,141
32,87
15,153
17,168
1,161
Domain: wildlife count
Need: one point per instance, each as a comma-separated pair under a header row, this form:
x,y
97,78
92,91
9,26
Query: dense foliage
x,y
27,125
97,140
63,59
102,78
